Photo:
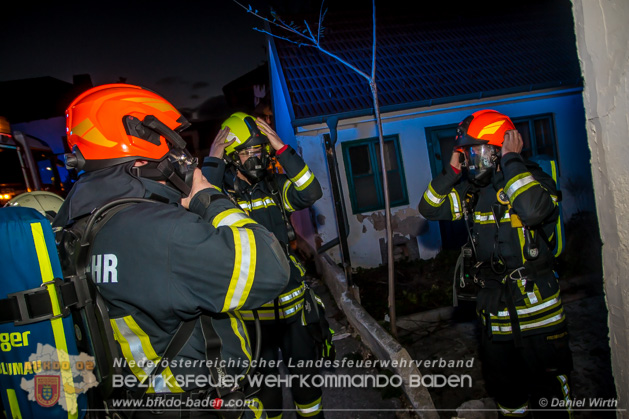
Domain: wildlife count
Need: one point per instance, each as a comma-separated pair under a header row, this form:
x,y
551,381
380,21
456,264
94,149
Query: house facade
x,y
522,63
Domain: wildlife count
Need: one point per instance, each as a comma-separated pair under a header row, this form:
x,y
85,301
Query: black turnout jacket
x,y
295,189
498,231
158,264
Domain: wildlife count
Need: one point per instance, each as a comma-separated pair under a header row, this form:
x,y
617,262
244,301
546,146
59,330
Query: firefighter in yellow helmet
x,y
294,323
510,207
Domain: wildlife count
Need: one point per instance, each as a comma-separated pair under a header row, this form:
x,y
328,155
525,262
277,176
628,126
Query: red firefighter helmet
x,y
115,123
483,127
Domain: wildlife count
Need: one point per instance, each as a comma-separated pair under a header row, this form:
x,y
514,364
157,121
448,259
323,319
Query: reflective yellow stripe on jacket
x,y
244,258
519,184
141,357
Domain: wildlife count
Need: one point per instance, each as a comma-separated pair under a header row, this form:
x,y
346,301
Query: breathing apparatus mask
x,y
480,162
253,162
177,167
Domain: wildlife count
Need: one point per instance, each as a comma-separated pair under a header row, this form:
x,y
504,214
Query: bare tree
x,y
308,36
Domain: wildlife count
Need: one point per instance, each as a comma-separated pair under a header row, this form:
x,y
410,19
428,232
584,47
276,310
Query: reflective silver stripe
x,y
456,207
531,309
455,202
140,358
262,202
435,199
529,325
303,178
245,266
244,205
287,312
231,219
296,293
518,184
481,218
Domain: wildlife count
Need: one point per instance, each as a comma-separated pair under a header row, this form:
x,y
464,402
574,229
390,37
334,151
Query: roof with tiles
x,y
430,58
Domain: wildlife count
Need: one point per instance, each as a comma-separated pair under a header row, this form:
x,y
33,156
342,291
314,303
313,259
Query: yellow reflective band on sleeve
x,y
522,242
232,218
244,269
303,179
519,184
141,357
302,270
240,331
310,409
14,406
455,205
287,204
432,197
61,345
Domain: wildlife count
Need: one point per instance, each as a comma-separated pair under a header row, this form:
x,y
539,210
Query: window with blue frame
x,y
364,175
538,135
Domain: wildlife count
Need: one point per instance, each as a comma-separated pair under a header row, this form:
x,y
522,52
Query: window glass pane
x,y
543,137
365,179
390,158
365,191
524,130
359,158
396,194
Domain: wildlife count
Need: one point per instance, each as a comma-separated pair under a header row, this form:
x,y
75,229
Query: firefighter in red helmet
x,y
510,207
183,255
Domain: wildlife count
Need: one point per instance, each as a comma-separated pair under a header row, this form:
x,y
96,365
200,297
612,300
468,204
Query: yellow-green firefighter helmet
x,y
243,128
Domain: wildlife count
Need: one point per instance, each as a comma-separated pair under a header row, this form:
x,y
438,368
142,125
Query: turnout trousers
x,y
291,342
533,378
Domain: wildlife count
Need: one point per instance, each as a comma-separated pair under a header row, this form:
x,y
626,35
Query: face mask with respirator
x,y
177,167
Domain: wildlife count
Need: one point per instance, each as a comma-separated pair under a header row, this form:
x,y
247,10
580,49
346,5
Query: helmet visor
x,y
479,159
250,152
182,161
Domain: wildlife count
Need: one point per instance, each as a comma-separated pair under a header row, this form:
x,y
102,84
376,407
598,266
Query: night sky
x,y
184,50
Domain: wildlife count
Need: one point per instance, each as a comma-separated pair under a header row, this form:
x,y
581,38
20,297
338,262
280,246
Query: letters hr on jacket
x,y
104,268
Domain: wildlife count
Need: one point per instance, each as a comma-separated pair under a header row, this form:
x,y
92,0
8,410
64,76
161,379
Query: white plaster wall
x,y
367,229
603,46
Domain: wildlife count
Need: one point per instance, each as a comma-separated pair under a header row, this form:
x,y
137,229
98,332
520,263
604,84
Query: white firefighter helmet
x,y
47,203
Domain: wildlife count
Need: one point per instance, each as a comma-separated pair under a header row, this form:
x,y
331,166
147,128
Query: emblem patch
x,y
47,389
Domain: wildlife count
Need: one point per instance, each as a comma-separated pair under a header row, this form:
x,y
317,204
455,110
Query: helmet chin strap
x,y
164,171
